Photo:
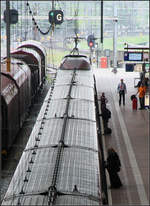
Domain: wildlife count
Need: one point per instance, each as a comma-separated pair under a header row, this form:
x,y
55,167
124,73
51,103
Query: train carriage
x,y
33,63
60,165
16,97
19,87
37,47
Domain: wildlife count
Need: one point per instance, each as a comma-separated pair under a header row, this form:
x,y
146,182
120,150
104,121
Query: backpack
x,y
118,163
107,130
108,113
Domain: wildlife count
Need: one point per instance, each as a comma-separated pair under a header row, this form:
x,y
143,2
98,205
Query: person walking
x,y
113,166
122,90
142,91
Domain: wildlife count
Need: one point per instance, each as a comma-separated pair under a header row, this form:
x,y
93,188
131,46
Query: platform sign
x,y
133,56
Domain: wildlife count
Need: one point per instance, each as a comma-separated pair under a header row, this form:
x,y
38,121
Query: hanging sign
x,y
56,16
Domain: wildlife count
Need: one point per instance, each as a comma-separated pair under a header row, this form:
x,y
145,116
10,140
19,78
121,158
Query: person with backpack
x,y
106,115
103,99
113,166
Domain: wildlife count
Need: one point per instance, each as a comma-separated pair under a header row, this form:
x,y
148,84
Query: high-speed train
x,y
60,164
19,86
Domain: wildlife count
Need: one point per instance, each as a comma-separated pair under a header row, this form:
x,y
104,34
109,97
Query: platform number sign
x,y
56,17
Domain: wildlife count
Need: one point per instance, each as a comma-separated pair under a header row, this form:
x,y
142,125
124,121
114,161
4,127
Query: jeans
x,y
122,95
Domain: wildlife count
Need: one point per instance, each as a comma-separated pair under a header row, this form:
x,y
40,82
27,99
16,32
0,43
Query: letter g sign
x,y
56,16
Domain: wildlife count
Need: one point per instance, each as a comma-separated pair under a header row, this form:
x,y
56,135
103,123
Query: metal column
x,y
101,42
115,23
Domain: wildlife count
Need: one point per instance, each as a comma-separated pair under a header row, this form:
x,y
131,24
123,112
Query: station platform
x,y
129,137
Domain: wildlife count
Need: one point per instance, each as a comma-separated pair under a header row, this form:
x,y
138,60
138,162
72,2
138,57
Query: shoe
x,y
140,108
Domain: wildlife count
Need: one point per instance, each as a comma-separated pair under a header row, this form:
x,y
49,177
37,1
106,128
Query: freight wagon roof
x,y
79,163
66,200
76,164
34,45
27,57
78,62
18,72
79,132
82,77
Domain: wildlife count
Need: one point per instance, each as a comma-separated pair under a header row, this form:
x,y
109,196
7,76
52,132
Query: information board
x,y
133,56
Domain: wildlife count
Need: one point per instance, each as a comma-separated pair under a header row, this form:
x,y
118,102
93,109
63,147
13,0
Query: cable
x,y
35,23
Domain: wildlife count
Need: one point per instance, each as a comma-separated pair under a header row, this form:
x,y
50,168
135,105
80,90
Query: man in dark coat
x,y
113,166
106,114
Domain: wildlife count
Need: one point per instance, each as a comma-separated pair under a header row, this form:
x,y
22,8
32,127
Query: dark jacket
x,y
106,114
113,162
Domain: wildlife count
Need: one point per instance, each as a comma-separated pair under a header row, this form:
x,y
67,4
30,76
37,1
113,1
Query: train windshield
x,y
71,62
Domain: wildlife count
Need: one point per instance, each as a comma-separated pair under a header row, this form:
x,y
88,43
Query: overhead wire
x,y
35,23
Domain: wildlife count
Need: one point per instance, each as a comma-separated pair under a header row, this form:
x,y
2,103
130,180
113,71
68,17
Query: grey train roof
x,y
79,164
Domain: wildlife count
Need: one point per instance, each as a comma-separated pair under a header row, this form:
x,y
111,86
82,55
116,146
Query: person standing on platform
x,y
142,91
113,166
122,90
103,99
106,115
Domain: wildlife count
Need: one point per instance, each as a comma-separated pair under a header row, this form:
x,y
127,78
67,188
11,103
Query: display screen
x,y
135,56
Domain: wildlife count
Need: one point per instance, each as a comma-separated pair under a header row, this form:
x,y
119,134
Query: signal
x,y
56,17
91,41
13,16
91,44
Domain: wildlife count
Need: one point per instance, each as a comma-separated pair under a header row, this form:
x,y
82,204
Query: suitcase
x,y
134,103
107,130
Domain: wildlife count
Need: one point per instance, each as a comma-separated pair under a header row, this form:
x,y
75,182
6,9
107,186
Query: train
x,y
60,163
19,87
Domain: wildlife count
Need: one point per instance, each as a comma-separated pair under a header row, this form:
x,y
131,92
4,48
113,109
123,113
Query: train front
x,y
78,62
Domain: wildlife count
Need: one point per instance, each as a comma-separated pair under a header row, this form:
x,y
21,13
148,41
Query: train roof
x,y
76,56
34,45
13,80
78,62
37,46
27,57
78,164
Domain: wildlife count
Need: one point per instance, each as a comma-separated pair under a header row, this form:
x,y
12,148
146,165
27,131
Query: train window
x,y
78,62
